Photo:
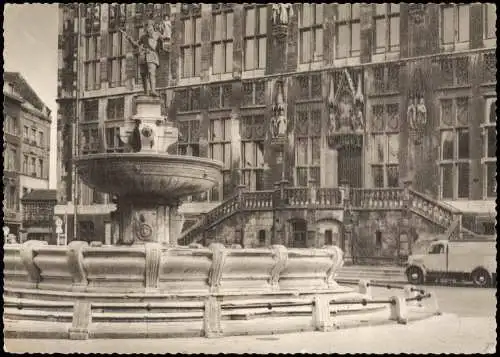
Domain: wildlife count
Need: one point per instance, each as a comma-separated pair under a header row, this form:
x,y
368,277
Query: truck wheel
x,y
415,276
481,278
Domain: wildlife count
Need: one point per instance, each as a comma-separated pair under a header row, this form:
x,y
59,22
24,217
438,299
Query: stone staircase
x,y
447,218
385,274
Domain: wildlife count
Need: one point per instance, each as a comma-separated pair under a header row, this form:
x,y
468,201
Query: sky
x,y
30,48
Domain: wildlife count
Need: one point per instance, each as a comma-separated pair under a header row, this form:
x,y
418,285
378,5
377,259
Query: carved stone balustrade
x,y
258,200
380,198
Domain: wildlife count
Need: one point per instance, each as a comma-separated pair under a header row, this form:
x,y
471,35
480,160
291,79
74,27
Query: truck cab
x,y
458,260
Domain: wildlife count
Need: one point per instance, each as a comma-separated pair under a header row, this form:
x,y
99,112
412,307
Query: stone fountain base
x,y
150,290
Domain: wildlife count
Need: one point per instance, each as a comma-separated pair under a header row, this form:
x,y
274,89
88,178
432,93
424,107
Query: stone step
x,y
378,274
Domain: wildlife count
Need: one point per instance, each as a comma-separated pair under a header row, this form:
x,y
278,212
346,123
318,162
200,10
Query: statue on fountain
x,y
148,46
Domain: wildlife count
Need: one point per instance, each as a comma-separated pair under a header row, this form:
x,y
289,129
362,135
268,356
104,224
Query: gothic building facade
x,y
26,134
317,95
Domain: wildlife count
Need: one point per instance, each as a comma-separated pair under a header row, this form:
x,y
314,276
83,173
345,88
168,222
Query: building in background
x,y
369,95
38,215
26,127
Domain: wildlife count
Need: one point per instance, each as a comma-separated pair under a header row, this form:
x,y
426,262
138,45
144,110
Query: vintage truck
x,y
470,260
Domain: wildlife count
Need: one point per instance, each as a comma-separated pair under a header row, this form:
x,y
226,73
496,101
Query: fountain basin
x,y
158,175
148,291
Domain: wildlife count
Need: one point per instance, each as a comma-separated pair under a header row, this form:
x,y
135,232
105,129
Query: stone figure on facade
x,y
278,120
282,13
357,120
148,46
332,118
417,117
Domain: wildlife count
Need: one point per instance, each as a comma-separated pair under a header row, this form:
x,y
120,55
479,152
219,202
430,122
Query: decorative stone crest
x,y
346,104
143,231
279,121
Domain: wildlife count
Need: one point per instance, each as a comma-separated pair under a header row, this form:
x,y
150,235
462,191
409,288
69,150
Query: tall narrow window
x,y
113,142
25,165
490,19
117,45
347,27
222,41
252,151
489,158
455,151
115,109
41,140
311,33
308,145
255,37
191,46
386,28
384,129
92,47
33,167
189,138
220,148
90,110
40,169
89,139
455,25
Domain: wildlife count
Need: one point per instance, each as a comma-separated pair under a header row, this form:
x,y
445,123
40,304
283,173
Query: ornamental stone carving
x,y
153,263
218,258
416,113
346,104
282,13
280,256
74,256
27,257
279,122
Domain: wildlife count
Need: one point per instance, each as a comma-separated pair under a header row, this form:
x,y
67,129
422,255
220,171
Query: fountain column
x,y
148,217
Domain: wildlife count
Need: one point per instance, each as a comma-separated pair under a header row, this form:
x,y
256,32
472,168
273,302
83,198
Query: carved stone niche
x,y
279,122
416,113
417,13
346,103
281,14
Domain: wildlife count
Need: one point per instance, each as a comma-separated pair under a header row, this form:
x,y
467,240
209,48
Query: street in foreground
x,y
444,334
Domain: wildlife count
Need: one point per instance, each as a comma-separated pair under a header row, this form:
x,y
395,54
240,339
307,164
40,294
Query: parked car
x,y
459,260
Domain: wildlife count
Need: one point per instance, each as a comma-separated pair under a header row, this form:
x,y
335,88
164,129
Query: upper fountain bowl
x,y
169,177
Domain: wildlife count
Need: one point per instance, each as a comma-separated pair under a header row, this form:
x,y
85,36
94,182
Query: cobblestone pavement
x,y
445,334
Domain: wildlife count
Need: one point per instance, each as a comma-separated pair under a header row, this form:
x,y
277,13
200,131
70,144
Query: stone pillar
x,y
146,219
348,224
276,215
405,226
240,231
313,192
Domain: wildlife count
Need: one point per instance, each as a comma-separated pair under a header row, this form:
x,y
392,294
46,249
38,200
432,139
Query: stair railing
x,y
436,211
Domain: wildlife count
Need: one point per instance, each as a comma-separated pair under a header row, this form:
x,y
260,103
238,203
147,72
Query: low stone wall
x,y
153,267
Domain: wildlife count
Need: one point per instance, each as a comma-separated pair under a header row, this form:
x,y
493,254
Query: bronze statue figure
x,y
148,47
